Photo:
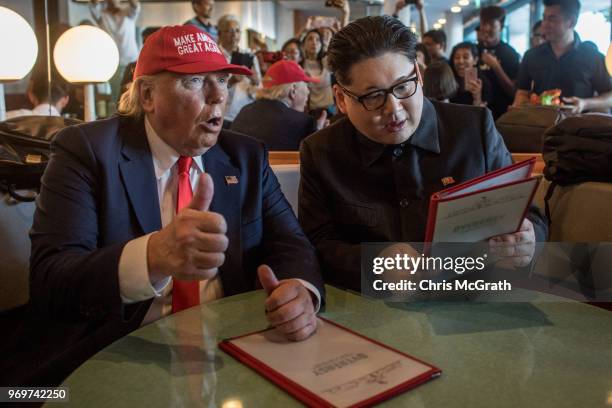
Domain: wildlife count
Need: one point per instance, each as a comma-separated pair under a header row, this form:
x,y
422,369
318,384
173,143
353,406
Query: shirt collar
x,y
199,22
424,137
577,40
575,44
164,156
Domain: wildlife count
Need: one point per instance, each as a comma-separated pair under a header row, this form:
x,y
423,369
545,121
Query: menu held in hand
x,y
493,204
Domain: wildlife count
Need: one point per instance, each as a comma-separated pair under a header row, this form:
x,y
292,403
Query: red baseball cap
x,y
285,72
183,49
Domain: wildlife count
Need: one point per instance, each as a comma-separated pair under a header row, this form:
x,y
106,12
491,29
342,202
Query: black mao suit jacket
x,y
354,190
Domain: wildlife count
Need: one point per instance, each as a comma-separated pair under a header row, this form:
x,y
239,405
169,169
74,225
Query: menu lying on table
x,y
335,367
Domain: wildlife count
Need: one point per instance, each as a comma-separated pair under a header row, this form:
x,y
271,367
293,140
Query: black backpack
x,y
576,150
25,145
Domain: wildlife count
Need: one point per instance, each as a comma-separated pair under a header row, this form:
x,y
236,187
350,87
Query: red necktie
x,y
185,293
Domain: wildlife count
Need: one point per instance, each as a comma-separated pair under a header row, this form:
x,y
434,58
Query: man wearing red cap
x,y
158,209
277,117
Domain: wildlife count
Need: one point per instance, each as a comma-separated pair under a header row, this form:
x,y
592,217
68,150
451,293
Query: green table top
x,y
538,354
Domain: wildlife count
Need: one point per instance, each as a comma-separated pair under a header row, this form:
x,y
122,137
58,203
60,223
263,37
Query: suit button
x,y
404,202
397,152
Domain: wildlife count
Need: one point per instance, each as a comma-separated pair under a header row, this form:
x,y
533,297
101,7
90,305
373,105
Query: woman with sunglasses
x,y
369,176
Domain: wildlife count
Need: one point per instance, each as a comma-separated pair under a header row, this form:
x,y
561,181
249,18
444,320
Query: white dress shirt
x,y
134,282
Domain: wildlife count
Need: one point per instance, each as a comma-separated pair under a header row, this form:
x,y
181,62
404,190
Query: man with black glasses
x,y
369,176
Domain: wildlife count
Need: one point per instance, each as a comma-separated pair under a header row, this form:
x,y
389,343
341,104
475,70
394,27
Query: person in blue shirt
x,y
203,18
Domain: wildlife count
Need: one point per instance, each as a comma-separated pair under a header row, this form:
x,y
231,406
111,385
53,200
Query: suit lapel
x,y
226,201
138,175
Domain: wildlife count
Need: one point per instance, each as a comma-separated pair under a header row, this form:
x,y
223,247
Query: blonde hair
x,y
130,104
277,92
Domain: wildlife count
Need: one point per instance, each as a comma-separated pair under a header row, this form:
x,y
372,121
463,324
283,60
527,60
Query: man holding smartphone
x,y
499,62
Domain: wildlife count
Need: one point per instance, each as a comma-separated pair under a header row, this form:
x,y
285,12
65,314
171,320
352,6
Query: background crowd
x,y
489,72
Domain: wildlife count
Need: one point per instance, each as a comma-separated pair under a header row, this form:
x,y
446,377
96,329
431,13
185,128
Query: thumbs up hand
x,y
267,278
289,306
192,246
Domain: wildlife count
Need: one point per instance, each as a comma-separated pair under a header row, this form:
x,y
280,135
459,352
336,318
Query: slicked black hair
x,y
491,13
368,37
569,8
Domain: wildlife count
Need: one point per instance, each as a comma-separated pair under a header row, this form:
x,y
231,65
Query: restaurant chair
x,y
15,222
288,176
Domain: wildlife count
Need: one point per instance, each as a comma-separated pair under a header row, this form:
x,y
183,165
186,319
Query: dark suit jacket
x,y
354,190
274,123
99,191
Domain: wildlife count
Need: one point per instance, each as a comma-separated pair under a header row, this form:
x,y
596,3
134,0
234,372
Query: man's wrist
x,y
314,293
588,104
155,274
135,283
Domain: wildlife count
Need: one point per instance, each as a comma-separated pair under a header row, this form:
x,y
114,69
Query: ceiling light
x,y
19,49
463,3
86,55
455,9
437,26
442,20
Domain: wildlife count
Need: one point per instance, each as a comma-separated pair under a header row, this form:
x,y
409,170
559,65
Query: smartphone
x,y
471,74
323,21
239,58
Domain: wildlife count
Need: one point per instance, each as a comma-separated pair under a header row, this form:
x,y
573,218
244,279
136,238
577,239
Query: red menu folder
x,y
335,367
493,204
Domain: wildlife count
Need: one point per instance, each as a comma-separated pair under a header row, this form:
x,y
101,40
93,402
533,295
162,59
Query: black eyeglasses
x,y
376,99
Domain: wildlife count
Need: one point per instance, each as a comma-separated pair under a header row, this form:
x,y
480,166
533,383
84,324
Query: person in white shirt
x,y
120,22
38,94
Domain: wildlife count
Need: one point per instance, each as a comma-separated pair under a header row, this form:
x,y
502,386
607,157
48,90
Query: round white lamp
x,y
18,48
86,55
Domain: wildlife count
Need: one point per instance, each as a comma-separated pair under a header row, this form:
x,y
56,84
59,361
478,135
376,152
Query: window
x,y
593,26
518,29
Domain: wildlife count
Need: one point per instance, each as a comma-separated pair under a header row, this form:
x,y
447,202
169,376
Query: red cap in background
x,y
285,72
